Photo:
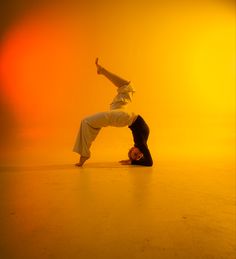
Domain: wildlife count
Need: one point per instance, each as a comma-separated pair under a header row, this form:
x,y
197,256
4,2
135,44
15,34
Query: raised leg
x,y
115,79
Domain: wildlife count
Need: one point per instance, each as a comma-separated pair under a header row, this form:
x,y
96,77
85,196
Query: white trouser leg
x,y
85,137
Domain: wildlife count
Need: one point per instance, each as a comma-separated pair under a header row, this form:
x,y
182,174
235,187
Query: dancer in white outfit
x,y
117,116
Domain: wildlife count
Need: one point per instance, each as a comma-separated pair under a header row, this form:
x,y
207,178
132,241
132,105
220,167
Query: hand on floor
x,y
125,162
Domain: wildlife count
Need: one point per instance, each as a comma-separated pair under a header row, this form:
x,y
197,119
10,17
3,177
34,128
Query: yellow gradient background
x,y
179,57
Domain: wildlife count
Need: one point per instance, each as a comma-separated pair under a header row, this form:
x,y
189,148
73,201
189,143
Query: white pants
x,y
91,125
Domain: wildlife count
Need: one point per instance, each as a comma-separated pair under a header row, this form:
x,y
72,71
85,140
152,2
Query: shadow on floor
x,y
62,167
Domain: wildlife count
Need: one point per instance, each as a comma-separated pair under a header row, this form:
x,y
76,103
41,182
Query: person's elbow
x,y
149,163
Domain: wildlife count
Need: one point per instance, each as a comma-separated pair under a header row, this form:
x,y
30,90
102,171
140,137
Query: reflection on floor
x,y
106,211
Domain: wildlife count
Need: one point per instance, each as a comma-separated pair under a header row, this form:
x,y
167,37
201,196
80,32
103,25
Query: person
x,y
117,116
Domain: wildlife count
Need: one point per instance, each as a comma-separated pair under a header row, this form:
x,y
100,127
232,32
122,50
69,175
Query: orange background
x,y
179,57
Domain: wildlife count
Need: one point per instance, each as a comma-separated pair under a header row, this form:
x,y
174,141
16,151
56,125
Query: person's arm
x,y
116,80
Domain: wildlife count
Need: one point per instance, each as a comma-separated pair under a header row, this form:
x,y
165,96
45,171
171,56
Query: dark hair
x,y
129,153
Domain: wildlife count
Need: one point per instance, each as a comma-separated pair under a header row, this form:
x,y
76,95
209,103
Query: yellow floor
x,y
107,211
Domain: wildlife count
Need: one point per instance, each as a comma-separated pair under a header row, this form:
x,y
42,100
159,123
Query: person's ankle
x,y
82,160
100,70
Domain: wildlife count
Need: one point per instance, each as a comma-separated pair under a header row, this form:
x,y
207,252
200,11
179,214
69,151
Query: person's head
x,y
135,154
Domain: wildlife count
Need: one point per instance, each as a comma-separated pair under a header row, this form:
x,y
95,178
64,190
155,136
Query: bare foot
x,y
81,161
99,67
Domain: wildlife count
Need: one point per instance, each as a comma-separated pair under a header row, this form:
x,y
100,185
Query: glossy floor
x,y
104,210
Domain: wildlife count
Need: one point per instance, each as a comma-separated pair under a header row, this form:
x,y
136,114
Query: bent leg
x,y
85,137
